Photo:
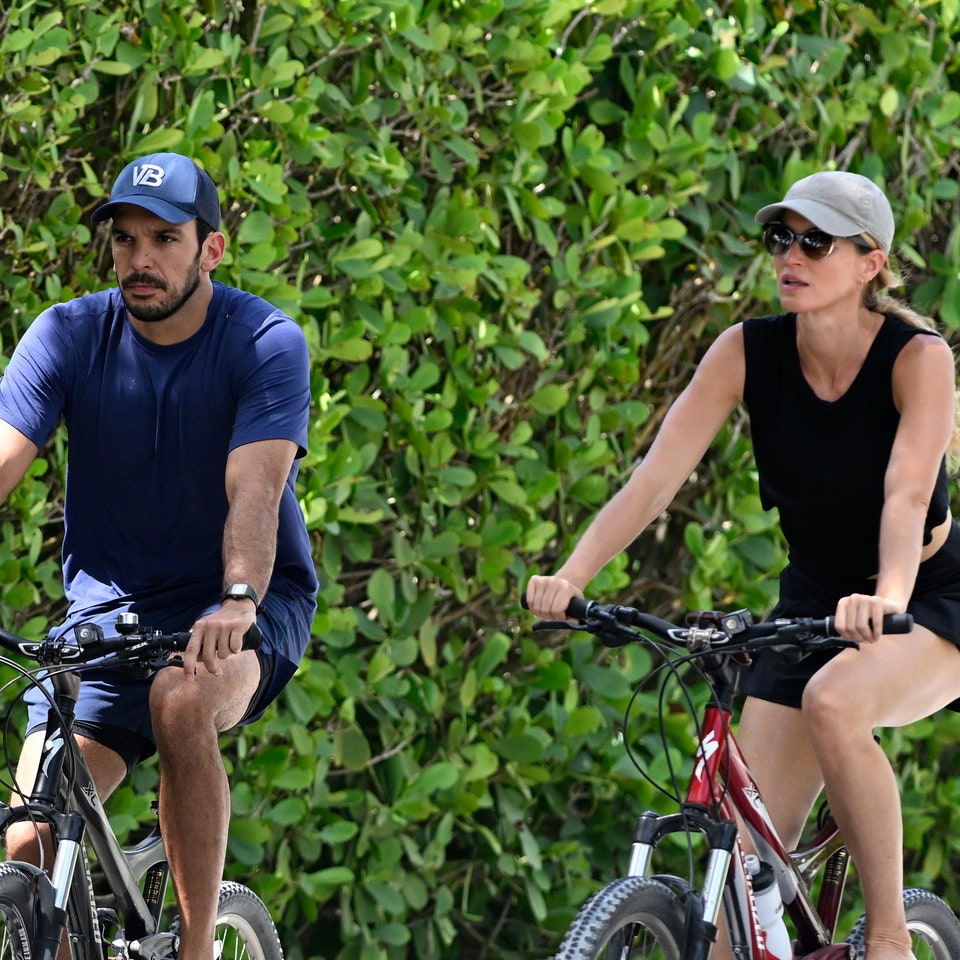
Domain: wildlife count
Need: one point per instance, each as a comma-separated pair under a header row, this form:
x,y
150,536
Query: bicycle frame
x,y
721,793
78,817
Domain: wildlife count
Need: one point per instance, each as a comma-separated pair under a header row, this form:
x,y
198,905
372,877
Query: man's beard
x,y
155,312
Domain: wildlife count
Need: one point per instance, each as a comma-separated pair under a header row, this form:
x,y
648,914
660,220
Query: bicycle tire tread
x,y
240,909
626,901
928,916
18,910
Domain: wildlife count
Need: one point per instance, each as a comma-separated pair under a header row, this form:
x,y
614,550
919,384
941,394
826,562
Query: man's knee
x,y
23,843
202,703
177,704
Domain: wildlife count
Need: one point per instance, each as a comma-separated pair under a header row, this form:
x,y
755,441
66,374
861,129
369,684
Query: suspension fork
x,y
55,885
703,795
721,836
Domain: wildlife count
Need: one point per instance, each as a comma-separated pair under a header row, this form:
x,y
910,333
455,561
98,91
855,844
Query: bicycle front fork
x,y
721,839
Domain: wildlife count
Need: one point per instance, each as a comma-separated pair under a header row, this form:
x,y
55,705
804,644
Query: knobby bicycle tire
x,y
18,913
933,927
245,930
630,917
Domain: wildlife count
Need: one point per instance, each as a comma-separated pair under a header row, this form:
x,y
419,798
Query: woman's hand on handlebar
x,y
549,597
860,616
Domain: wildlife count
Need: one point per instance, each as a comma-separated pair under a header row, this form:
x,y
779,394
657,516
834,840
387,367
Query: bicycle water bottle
x,y
766,893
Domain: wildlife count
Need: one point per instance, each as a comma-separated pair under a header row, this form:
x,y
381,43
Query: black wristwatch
x,y
241,591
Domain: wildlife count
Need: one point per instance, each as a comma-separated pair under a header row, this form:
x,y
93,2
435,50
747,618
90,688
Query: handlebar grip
x,y
253,638
897,622
576,609
892,623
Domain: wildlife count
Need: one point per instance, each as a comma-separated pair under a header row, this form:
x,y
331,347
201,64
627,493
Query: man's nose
x,y
140,257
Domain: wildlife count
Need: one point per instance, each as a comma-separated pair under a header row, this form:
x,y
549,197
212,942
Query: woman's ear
x,y
873,262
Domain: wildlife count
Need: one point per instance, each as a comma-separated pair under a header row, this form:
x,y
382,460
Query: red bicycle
x,y
666,917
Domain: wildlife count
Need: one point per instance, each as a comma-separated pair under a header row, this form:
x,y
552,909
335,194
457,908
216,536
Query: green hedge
x,y
508,230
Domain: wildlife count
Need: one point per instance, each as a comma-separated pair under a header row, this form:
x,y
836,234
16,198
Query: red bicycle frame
x,y
722,789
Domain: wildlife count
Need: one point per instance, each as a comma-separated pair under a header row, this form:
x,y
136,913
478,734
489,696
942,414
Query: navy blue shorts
x,y
935,604
114,705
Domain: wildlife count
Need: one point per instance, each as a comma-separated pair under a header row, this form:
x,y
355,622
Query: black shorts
x,y
935,604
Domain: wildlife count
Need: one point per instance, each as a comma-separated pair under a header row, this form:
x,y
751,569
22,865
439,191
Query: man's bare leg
x,y
188,716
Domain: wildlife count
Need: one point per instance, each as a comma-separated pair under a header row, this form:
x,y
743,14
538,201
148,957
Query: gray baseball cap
x,y
840,203
167,184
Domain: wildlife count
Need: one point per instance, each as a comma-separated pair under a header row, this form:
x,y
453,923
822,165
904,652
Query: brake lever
x,y
556,625
800,648
611,633
816,643
147,661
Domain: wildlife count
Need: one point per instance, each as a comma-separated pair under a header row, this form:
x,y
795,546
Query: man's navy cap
x,y
167,184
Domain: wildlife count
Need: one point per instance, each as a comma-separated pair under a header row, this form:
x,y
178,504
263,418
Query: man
x,y
186,406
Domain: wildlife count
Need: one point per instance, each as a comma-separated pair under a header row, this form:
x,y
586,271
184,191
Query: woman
x,y
852,407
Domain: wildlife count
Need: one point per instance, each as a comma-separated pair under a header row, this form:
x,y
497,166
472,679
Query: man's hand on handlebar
x,y
217,636
549,597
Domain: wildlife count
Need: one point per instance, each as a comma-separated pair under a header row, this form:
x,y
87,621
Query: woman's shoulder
x,y
770,333
772,322
899,337
900,328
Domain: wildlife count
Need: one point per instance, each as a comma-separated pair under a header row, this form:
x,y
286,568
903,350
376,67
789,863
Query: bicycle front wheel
x,y
18,913
632,917
245,930
933,927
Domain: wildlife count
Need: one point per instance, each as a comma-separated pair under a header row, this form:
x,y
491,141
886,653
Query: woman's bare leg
x,y
896,681
776,745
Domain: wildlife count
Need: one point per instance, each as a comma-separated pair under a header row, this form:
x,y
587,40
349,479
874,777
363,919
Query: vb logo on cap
x,y
169,185
149,175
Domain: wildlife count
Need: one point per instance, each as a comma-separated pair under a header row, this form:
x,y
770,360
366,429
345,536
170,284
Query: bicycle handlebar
x,y
617,625
86,642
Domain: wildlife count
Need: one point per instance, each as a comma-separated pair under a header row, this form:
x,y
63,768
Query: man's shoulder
x,y
246,308
87,306
84,318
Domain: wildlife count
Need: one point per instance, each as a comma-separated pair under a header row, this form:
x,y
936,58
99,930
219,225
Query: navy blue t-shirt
x,y
149,429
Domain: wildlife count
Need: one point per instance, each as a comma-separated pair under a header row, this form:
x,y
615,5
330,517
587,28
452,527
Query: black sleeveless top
x,y
822,463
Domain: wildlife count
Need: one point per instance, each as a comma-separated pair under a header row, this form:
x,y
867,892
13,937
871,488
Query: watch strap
x,y
241,591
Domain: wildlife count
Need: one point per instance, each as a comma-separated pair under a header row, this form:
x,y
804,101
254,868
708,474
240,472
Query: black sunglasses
x,y
815,243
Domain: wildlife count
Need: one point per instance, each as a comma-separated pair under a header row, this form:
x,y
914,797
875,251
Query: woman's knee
x,y
832,701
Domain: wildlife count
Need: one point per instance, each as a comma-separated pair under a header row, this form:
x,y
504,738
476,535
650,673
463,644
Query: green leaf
x,y
352,749
550,399
582,721
529,746
159,141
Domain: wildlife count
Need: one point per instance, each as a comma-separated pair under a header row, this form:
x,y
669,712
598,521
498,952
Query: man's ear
x,y
214,247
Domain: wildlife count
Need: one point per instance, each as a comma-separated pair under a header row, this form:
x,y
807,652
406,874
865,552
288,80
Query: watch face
x,y
241,591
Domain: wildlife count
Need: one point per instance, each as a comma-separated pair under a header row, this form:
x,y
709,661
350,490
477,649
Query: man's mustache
x,y
132,278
